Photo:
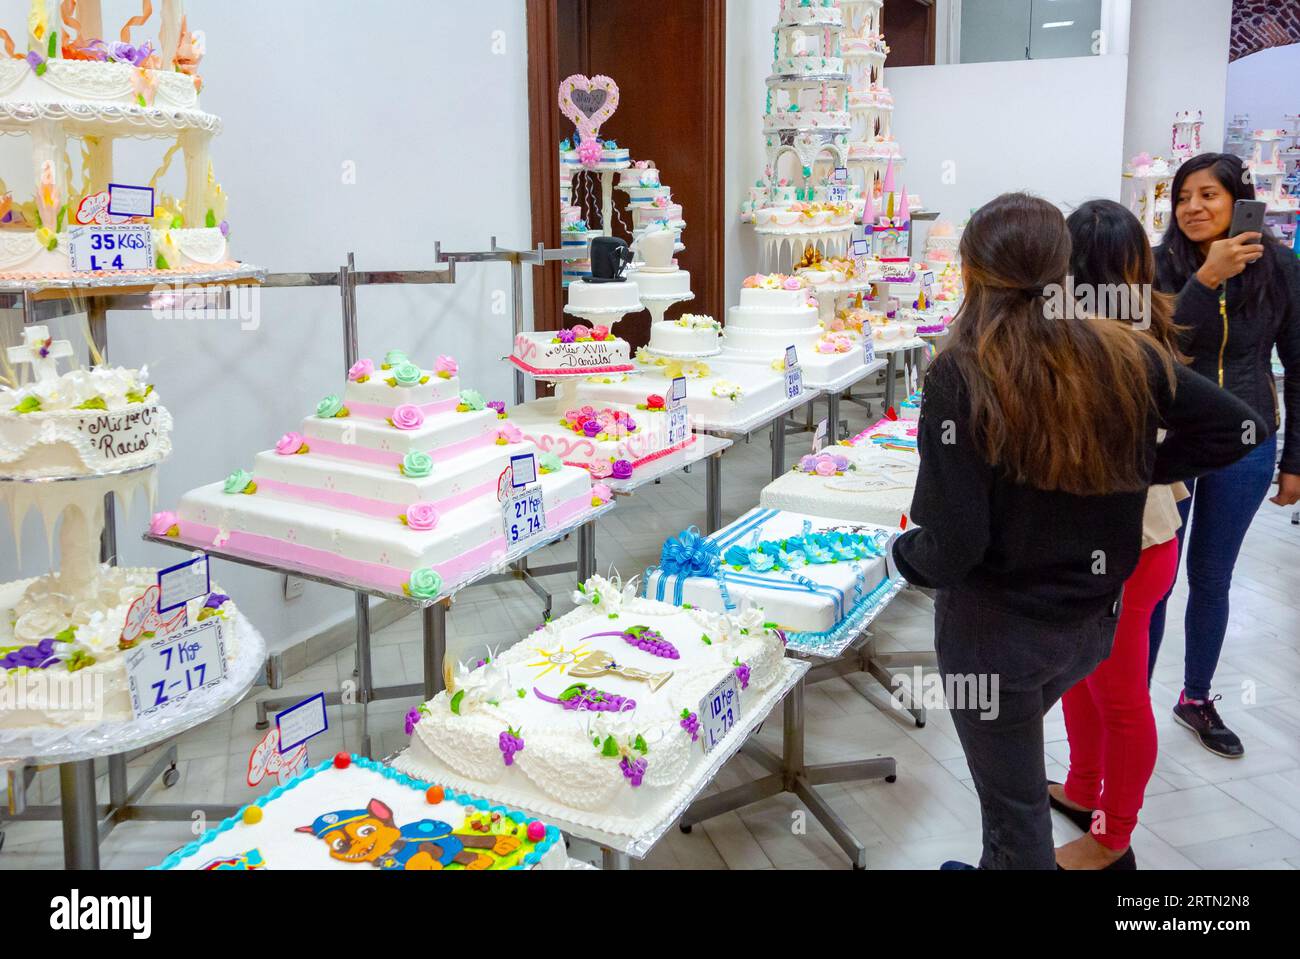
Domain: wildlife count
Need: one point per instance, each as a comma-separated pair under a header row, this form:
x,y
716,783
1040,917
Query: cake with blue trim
x,y
353,812
814,578
595,719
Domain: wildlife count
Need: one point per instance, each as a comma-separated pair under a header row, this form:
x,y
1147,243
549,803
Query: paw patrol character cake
x,y
353,812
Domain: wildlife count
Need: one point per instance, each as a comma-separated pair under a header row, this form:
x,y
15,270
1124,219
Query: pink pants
x,y
1108,715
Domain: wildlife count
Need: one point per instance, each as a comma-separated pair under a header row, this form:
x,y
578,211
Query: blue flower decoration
x,y
761,562
820,555
737,556
794,559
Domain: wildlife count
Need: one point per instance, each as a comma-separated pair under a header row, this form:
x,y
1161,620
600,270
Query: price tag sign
x,y
126,200
177,585
297,724
523,515
823,433
678,424
166,670
841,174
793,374
861,250
837,194
927,284
719,711
868,348
523,471
99,249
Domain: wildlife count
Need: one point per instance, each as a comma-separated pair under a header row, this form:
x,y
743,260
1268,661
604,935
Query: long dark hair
x,y
1258,282
1111,249
1057,402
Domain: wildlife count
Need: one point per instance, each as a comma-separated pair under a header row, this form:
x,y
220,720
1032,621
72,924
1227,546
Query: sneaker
x,y
1202,718
952,865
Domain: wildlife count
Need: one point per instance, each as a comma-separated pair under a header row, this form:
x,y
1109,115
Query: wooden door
x,y
669,60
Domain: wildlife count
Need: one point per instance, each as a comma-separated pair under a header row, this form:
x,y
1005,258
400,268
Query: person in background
x,y
1238,298
1108,717
1038,445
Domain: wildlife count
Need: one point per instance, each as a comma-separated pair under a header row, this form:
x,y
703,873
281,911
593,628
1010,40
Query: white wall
x,y
1263,85
437,126
749,64
1178,60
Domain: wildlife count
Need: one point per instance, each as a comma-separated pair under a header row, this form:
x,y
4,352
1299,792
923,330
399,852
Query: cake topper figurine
x,y
42,352
610,258
599,663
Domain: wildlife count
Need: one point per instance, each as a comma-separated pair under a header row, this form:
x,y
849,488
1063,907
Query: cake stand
x,y
660,305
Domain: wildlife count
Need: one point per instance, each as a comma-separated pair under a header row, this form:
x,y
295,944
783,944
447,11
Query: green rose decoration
x,y
550,463
240,481
394,358
417,465
408,374
424,584
472,400
330,407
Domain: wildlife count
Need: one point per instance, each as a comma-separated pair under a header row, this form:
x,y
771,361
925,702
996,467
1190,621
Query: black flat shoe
x,y
1203,719
1080,817
1125,863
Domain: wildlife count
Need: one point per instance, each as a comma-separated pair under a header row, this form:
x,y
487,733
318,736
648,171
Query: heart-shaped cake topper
x,y
588,102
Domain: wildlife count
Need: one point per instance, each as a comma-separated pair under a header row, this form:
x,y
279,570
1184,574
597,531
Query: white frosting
x,y
809,66
541,423
605,297
689,336
714,393
559,767
671,283
539,350
879,490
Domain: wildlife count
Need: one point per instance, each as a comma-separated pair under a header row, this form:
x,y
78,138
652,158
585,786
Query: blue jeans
x,y
1222,507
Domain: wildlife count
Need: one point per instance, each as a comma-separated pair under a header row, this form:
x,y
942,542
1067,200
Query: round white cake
x,y
688,337
621,298
661,283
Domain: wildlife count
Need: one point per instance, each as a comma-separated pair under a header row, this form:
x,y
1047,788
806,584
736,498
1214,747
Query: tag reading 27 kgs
x,y
524,515
98,249
168,669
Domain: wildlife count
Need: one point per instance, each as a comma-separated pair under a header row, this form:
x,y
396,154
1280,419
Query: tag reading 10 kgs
x,y
165,670
97,249
524,515
719,711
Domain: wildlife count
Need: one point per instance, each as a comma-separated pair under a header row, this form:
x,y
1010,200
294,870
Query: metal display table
x,y
433,611
86,823
835,391
774,417
619,849
790,772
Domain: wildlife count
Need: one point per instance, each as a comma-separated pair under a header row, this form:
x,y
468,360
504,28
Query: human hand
x,y
1229,258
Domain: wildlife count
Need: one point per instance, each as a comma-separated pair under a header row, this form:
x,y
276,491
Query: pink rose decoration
x,y
446,364
422,517
161,523
581,332
600,333
825,466
290,443
408,417
825,346
511,434
362,369
602,492
601,470
791,283
572,416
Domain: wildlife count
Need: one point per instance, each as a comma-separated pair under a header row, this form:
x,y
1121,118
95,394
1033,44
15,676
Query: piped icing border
x,y
589,371
388,772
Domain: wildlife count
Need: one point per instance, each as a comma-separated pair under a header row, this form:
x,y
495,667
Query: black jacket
x,y
1247,352
1050,556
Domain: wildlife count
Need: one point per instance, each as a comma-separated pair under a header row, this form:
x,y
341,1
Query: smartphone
x,y
1248,217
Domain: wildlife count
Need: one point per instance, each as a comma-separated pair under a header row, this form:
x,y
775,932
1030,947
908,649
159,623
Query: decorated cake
x,y
594,299
777,312
658,276
394,484
80,422
688,336
80,82
582,349
352,812
595,719
813,577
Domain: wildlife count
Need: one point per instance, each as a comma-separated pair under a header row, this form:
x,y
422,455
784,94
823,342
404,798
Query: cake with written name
x,y
394,484
814,578
80,83
581,349
352,812
777,312
78,422
595,719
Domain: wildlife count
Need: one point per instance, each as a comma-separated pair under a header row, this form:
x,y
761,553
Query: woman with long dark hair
x,y
1038,445
1238,298
1108,718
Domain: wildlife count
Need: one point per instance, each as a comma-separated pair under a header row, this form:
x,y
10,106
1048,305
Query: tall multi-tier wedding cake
x,y
78,84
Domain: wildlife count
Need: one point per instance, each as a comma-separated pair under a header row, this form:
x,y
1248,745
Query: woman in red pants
x,y
1108,715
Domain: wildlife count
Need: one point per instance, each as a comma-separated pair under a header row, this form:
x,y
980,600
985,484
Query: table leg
x,y
891,377
586,552
365,676
778,448
117,781
713,495
615,861
833,418
435,648
80,828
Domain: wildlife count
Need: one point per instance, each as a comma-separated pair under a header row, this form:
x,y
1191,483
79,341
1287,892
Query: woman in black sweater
x,y
1038,445
1238,298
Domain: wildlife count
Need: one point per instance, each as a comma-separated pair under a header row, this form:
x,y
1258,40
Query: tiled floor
x,y
1201,811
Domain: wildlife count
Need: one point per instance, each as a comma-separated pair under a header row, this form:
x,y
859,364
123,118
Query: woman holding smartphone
x,y
1038,445
1238,298
1108,717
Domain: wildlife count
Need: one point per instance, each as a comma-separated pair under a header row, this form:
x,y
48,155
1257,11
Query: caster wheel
x,y
920,724
891,779
171,777
686,828
262,724
857,868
